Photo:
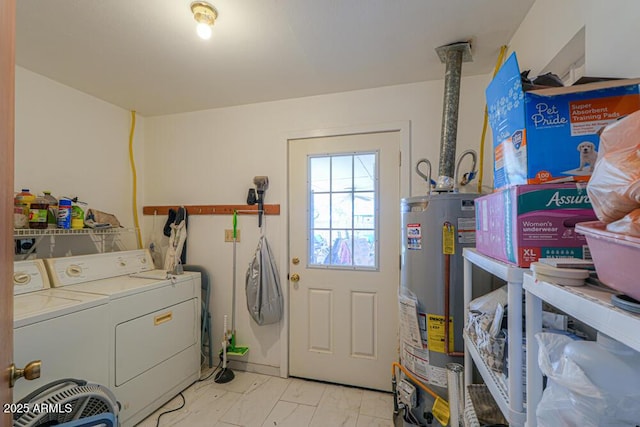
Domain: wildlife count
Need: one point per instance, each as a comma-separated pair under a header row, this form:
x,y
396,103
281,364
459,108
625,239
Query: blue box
x,y
551,135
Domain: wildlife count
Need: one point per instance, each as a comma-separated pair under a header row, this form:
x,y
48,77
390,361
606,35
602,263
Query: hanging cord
x,y
503,50
135,179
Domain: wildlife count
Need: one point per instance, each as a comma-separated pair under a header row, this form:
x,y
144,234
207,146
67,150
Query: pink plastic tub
x,y
616,257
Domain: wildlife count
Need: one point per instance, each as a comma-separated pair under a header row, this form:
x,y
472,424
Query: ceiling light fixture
x,y
205,15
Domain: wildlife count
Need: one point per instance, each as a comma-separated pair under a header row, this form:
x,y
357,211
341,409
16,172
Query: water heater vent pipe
x,y
452,55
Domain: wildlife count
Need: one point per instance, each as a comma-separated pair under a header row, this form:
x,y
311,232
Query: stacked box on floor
x,y
524,223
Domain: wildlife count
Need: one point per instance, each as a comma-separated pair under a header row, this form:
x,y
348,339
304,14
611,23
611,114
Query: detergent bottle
x,y
52,216
77,217
38,212
22,203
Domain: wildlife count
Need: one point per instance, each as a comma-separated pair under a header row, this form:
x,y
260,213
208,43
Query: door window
x,y
343,210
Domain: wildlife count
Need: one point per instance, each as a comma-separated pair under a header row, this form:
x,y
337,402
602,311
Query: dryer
x,y
153,325
66,330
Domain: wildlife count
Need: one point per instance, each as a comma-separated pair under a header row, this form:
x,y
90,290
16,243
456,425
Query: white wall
x,y
611,35
73,144
211,157
612,38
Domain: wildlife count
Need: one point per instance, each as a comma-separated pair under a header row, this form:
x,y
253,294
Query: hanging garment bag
x,y
264,297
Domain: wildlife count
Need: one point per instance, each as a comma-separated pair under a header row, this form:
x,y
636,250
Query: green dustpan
x,y
233,350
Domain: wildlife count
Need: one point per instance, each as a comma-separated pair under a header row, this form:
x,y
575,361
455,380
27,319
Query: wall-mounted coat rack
x,y
214,209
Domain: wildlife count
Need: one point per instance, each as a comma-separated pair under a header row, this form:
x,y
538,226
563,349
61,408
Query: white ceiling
x,y
144,55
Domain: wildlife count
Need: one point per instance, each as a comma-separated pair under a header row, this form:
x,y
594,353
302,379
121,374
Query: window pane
x,y
341,210
364,172
320,247
364,210
364,248
320,173
321,212
341,247
342,173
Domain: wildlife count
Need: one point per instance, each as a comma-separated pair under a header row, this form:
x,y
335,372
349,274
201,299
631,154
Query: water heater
x,y
435,229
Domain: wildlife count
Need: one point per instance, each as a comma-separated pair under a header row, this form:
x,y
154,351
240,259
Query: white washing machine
x,y
66,330
154,325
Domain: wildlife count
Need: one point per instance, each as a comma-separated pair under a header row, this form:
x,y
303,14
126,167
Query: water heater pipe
x,y
447,298
452,56
419,383
455,391
468,176
426,177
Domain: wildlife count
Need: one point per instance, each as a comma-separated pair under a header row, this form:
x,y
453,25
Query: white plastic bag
x,y
571,399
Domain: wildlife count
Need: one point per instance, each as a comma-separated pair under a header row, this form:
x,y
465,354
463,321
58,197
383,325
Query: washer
x,y
153,325
66,330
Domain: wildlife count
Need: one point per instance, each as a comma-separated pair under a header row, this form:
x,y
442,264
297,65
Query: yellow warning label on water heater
x,y
435,333
448,239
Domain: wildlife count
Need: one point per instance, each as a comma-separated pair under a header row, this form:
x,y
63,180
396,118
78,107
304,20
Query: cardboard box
x,y
551,135
524,223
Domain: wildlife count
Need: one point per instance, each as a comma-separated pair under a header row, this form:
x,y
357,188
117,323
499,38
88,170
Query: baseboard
x,y
238,365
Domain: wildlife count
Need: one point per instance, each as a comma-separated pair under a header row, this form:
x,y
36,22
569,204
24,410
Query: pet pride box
x,y
523,223
551,135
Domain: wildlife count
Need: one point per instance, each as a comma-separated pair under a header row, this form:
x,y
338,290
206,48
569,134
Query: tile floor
x,y
260,400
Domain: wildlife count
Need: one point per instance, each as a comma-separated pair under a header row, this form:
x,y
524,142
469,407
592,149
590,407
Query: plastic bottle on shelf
x,y
52,216
38,211
22,203
24,197
64,214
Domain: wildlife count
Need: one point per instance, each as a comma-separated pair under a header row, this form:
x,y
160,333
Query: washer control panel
x,y
29,276
87,268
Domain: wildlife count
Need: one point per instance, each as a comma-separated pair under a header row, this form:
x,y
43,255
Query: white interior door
x,y
344,198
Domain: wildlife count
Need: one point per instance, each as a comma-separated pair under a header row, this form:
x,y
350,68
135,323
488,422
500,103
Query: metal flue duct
x,y
452,55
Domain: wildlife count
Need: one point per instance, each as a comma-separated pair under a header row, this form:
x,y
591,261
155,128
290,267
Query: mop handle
x,y
235,224
233,302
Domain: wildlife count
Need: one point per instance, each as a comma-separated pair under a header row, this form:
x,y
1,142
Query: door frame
x,y
404,128
7,135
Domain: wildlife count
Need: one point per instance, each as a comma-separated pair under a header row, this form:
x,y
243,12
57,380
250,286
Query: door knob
x,y
30,372
295,277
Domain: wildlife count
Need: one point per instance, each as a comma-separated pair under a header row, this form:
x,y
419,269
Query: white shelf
x,y
494,383
32,232
510,396
507,272
592,306
103,239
